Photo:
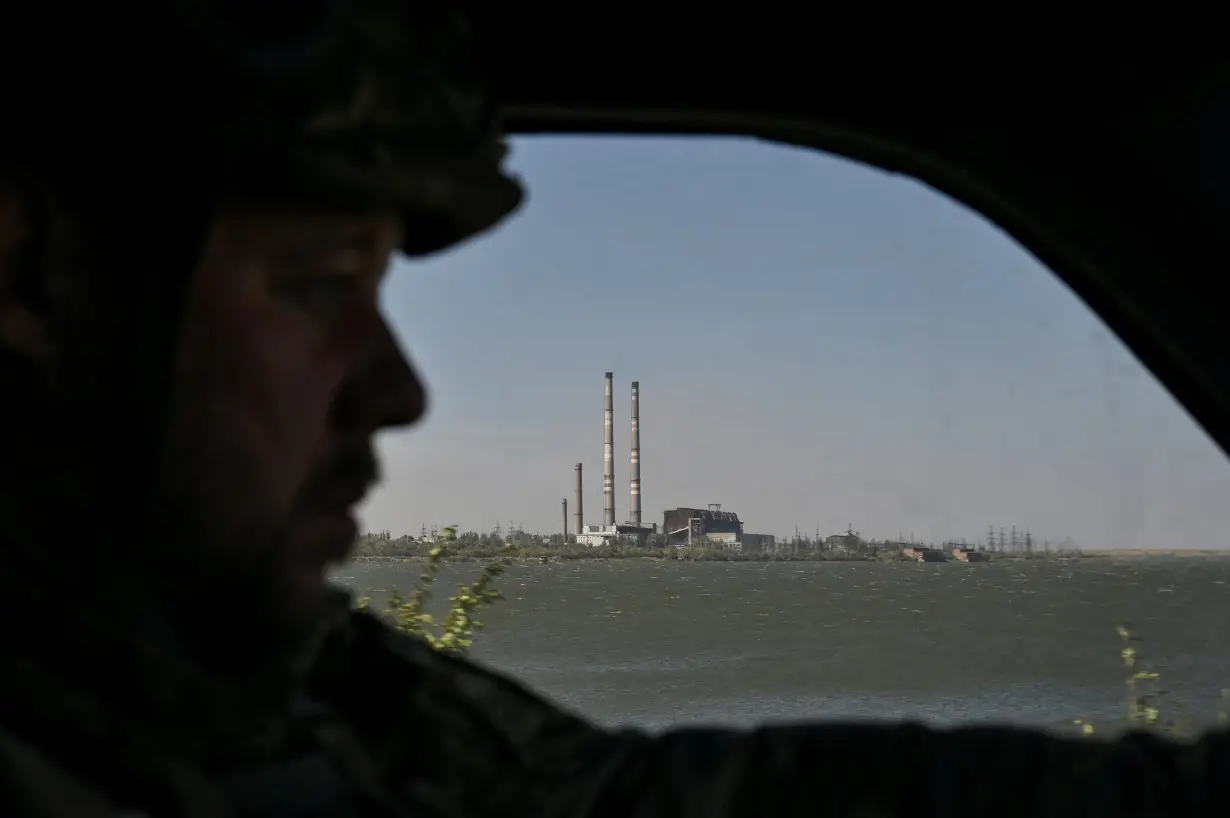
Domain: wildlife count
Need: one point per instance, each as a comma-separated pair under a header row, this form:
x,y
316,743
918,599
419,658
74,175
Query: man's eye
x,y
322,292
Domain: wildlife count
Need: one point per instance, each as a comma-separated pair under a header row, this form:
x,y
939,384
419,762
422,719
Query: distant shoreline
x,y
1095,554
553,558
1187,553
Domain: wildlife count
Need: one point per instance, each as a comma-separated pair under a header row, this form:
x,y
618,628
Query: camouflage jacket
x,y
393,728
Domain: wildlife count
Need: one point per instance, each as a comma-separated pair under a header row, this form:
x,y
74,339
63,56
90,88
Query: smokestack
x,y
608,456
565,529
576,501
634,466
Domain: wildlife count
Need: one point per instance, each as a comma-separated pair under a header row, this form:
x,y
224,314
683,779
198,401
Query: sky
x,y
819,344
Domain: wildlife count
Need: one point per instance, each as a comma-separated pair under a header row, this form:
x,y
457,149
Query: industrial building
x,y
759,543
597,535
847,542
923,553
692,526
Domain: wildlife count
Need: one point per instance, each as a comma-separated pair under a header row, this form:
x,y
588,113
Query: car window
x,y
889,465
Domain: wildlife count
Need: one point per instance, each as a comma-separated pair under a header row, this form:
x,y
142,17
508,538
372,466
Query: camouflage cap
x,y
358,104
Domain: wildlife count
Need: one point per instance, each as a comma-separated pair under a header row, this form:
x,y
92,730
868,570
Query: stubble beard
x,y
227,589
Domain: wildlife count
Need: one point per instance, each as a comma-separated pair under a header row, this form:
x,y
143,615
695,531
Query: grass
x,y
1143,701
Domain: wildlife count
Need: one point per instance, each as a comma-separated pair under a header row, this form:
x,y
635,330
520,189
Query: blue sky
x,y
818,343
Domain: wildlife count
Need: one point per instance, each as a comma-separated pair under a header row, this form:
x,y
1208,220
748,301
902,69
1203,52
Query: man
x,y
196,364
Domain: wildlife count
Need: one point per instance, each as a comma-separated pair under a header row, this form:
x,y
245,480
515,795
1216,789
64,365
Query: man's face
x,y
287,370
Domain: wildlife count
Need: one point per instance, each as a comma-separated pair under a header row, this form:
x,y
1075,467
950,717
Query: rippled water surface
x,y
655,644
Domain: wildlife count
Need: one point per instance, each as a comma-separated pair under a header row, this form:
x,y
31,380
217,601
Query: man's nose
x,y
386,391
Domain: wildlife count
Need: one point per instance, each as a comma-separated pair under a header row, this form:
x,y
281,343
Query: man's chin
x,y
316,542
320,543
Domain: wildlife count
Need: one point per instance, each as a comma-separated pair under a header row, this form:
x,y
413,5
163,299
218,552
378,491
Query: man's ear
x,y
24,328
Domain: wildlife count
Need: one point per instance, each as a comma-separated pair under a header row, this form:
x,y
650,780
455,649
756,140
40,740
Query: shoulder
x,y
32,785
435,673
462,695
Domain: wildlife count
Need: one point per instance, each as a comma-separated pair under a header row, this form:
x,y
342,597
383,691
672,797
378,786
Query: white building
x,y
596,536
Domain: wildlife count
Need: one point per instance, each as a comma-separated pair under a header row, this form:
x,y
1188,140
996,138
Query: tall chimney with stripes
x,y
634,458
579,510
608,456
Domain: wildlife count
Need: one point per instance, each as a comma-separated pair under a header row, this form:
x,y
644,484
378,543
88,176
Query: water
x,y
657,644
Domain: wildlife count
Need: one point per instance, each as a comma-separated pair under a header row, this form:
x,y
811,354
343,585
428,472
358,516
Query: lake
x,y
658,644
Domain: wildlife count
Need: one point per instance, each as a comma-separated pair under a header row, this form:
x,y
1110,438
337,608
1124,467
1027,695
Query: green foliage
x,y
1143,687
455,634
1144,696
373,546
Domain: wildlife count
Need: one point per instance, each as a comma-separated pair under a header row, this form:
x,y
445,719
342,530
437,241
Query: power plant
x,y
610,531
681,526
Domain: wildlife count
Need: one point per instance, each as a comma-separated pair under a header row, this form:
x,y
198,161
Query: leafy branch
x,y
455,634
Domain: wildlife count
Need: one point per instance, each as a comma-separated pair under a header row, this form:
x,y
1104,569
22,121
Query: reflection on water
x,y
656,644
